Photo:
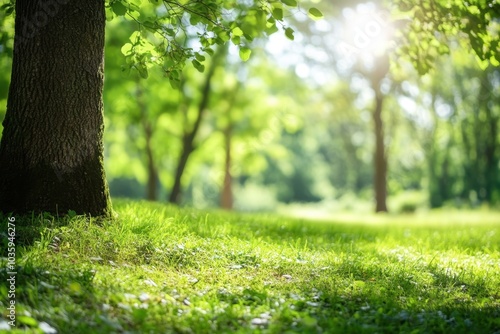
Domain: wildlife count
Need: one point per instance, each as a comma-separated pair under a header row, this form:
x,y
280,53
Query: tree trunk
x,y
227,192
152,183
490,130
152,187
51,153
227,198
188,145
187,149
380,159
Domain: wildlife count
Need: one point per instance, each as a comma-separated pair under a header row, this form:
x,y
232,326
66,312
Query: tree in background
x,y
477,106
456,126
227,197
380,156
190,131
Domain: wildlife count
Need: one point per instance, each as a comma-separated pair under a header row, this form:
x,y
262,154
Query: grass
x,y
159,269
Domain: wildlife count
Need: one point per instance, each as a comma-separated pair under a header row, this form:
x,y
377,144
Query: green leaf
x,y
199,57
291,3
278,14
315,13
223,35
199,66
271,30
135,38
119,8
209,51
245,53
236,40
194,20
75,287
237,32
109,14
289,33
175,83
26,320
126,49
170,31
8,7
143,71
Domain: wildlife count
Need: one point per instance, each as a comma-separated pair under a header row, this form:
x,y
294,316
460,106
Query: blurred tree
x,y
346,145
459,134
227,198
191,130
375,76
134,155
479,114
147,126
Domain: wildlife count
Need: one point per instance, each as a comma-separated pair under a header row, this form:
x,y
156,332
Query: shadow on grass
x,y
27,229
349,298
365,313
66,301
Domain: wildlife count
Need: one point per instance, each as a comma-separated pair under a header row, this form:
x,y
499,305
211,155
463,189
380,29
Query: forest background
x,y
313,119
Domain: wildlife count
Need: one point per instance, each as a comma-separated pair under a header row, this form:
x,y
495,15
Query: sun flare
x,y
367,33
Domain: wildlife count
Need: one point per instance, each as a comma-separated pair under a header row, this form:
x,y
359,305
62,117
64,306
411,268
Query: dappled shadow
x,y
42,294
356,287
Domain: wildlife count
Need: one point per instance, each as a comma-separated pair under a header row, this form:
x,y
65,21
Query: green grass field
x,y
159,269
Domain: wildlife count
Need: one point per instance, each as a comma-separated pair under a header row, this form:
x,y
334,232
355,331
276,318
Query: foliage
x,y
457,130
6,45
166,27
434,25
158,269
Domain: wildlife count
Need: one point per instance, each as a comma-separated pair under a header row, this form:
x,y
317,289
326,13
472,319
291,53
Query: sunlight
x,y
301,58
367,33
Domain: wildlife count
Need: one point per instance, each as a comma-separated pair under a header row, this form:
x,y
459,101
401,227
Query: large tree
x,y
51,150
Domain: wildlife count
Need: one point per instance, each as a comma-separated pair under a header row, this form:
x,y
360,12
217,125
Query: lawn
x,y
160,269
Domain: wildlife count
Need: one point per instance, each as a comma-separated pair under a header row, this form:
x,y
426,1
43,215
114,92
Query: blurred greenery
x,y
293,125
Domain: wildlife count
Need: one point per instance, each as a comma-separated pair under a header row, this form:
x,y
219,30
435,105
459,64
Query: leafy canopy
x,y
171,33
436,24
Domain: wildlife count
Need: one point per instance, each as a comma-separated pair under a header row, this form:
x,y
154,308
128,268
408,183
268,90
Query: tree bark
x,y
51,153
